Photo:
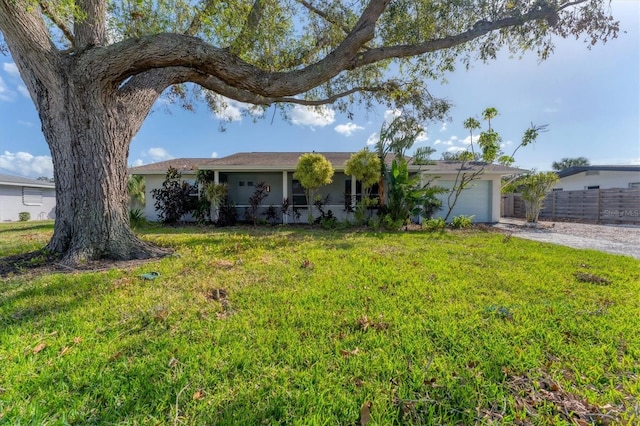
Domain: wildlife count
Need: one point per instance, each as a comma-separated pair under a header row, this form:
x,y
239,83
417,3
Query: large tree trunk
x,y
89,143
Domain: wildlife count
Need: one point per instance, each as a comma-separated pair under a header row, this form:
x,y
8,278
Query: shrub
x,y
175,198
259,194
462,222
436,224
271,214
228,214
136,218
24,216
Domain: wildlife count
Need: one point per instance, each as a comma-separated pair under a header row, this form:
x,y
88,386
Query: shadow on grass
x,y
39,226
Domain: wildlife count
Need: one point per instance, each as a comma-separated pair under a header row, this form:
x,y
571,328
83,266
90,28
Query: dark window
x,y
593,187
297,192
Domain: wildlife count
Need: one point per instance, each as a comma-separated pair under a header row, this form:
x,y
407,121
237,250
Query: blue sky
x,y
590,100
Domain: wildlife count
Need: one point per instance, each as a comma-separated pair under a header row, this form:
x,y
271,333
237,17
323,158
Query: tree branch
x,y
196,22
324,16
133,56
480,29
249,29
57,21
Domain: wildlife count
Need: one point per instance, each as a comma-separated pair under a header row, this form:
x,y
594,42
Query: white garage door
x,y
475,200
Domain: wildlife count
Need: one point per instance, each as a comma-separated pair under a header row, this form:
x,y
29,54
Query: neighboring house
x,y
242,171
18,194
578,178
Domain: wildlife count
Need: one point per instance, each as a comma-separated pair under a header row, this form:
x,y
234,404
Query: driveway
x,y
616,239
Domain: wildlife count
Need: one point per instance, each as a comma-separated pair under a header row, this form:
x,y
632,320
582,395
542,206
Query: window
x,y
593,187
634,185
297,192
241,183
557,189
31,196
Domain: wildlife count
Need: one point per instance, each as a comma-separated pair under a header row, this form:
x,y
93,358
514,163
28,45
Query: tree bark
x,y
89,143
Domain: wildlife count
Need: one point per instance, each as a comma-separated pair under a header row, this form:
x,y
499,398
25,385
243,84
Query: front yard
x,y
293,326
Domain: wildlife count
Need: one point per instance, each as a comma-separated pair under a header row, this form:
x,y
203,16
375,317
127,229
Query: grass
x,y
291,326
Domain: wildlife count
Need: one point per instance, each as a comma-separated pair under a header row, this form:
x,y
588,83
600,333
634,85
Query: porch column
x,y
353,191
285,192
216,177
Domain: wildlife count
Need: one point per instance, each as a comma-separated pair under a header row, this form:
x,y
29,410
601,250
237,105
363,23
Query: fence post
x,y
599,205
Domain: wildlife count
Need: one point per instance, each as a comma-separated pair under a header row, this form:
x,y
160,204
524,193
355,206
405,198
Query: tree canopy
x,y
566,162
94,69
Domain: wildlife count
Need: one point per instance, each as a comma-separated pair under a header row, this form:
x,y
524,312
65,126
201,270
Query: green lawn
x,y
292,326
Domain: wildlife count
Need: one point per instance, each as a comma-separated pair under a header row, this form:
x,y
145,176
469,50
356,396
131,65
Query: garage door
x,y
475,200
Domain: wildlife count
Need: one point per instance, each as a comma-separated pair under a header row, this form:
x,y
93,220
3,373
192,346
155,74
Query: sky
x,y
588,98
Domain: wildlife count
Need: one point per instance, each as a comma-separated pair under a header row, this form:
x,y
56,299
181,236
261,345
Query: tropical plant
x,y
95,68
461,222
533,188
136,188
566,163
313,171
259,194
175,198
489,144
215,194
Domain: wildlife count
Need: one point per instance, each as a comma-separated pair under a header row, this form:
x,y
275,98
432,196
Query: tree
x,y
565,163
136,187
94,68
313,171
364,165
489,142
534,188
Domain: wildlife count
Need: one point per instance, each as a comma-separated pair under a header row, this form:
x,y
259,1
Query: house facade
x,y
243,171
18,194
598,177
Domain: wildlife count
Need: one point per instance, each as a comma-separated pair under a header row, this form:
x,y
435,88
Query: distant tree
x,y
566,162
462,155
534,188
313,171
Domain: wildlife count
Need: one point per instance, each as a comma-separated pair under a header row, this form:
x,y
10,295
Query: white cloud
x,y
26,164
422,137
467,140
456,149
373,139
5,94
23,91
25,123
444,127
137,163
214,154
441,142
348,129
312,116
391,114
159,154
11,69
231,110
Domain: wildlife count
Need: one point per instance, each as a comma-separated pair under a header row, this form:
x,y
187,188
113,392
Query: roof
x,y
579,169
11,180
280,161
181,164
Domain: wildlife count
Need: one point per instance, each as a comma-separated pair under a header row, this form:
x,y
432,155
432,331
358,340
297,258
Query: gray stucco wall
x,y
11,204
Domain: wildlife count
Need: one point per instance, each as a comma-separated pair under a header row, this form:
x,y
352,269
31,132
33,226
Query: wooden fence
x,y
590,205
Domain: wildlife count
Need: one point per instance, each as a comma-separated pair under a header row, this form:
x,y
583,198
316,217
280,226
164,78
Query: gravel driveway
x,y
616,239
